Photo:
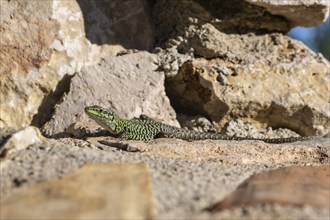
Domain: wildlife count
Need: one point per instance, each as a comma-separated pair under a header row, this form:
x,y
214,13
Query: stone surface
x,y
97,191
128,84
58,56
298,12
21,140
125,23
187,176
224,91
23,33
43,43
295,186
247,129
225,152
177,20
274,211
26,39
268,79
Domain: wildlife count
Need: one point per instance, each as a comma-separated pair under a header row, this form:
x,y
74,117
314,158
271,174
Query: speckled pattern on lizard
x,y
145,129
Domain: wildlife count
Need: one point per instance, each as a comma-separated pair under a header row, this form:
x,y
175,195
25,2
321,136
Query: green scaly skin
x,y
145,129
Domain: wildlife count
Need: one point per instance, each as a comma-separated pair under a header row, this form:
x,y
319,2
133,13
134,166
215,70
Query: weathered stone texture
x,y
129,85
189,176
124,22
20,140
221,60
297,12
296,186
37,48
25,39
101,191
268,79
42,42
266,98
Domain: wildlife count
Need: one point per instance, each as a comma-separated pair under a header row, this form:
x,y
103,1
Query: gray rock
x,y
44,43
294,96
297,12
296,186
125,23
98,191
20,140
130,85
189,176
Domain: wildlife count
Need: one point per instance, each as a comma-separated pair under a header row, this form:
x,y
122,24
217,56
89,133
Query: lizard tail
x,y
190,136
282,140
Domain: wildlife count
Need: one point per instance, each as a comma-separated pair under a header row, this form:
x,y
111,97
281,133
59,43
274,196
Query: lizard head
x,y
105,118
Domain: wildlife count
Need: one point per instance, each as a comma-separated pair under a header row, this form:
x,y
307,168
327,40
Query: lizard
x,y
146,129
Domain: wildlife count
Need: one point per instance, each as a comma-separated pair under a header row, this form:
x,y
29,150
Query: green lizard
x,y
145,129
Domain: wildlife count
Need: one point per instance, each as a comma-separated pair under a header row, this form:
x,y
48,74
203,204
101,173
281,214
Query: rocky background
x,y
224,66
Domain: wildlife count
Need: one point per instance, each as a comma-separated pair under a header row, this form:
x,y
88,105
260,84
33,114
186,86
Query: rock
x,y
273,211
296,186
298,12
98,191
46,161
129,85
21,140
43,44
40,45
226,61
170,60
196,123
246,129
31,35
204,89
237,69
178,20
25,46
125,23
186,175
250,152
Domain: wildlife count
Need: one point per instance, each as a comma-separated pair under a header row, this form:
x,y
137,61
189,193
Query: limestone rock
x,y
43,44
176,20
268,211
295,186
235,152
170,60
222,60
267,79
128,84
125,23
21,140
97,191
289,95
298,12
35,50
189,176
247,129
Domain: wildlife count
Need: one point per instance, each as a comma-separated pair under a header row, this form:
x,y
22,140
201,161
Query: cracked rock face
x,y
45,42
190,176
223,65
87,187
265,98
127,84
297,12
